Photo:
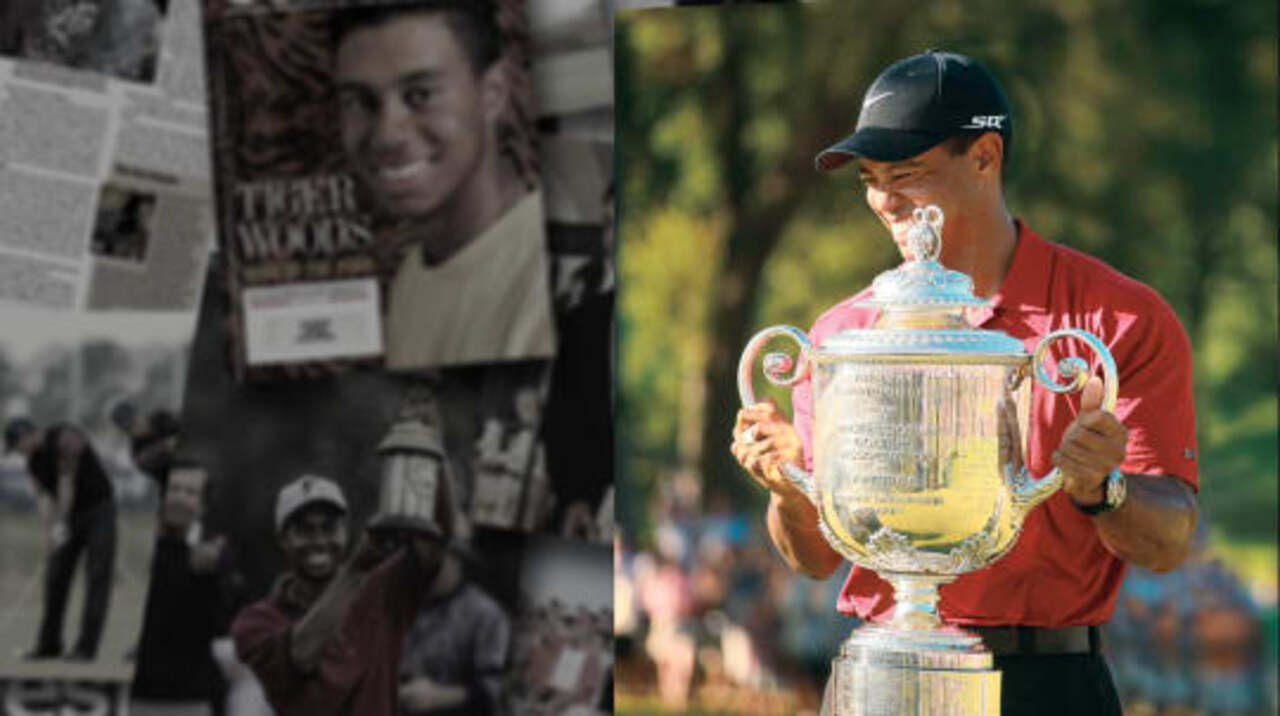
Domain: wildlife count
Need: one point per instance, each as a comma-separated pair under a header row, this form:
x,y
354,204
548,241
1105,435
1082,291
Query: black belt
x,y
1010,640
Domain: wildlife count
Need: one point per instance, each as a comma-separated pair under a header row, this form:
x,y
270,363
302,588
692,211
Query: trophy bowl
x,y
917,468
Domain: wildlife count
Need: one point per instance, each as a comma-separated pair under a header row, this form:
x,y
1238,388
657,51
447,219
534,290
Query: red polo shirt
x,y
359,668
1059,573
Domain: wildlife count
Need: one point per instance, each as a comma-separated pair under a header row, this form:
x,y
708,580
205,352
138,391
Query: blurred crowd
x,y
708,617
1193,641
561,660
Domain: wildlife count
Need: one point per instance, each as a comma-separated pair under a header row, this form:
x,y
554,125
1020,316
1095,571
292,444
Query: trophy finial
x,y
924,238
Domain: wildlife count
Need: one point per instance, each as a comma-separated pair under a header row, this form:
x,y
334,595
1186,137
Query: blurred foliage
x,y
79,382
1145,134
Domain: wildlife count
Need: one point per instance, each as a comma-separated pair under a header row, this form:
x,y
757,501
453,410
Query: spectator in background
x,y
666,599
456,650
77,505
186,608
1189,641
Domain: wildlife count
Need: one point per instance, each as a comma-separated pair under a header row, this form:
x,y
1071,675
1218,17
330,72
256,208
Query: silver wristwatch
x,y
1114,489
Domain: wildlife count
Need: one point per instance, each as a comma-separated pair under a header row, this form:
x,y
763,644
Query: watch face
x,y
1113,495
1115,489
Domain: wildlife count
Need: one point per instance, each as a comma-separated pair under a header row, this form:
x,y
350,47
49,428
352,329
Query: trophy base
x,y
891,672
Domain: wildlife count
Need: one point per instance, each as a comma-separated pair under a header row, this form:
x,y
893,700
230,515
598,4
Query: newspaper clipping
x,y
103,155
377,184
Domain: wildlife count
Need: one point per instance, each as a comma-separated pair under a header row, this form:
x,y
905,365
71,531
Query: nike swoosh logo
x,y
875,98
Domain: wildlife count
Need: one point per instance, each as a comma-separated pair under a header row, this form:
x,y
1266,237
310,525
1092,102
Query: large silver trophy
x,y
918,471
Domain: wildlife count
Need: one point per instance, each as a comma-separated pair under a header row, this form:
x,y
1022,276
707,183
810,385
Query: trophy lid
x,y
922,306
921,282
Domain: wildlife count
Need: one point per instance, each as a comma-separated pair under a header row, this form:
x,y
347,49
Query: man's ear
x,y
495,91
987,152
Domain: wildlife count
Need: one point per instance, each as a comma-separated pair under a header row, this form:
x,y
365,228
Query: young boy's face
x,y
415,115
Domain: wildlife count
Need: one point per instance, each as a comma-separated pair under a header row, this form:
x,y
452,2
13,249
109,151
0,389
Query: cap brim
x,y
316,500
878,144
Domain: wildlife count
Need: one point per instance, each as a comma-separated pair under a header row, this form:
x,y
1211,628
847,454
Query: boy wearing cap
x,y
935,128
327,639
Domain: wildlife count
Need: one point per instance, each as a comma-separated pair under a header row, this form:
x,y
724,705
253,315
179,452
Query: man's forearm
x,y
321,623
793,526
1152,528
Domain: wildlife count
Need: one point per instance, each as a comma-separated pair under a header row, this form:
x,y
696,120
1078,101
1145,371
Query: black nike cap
x,y
917,103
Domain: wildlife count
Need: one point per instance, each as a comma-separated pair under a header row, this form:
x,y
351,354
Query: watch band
x,y
1114,491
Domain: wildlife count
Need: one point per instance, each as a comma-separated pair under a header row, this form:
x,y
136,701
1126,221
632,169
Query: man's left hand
x,y
1093,445
369,553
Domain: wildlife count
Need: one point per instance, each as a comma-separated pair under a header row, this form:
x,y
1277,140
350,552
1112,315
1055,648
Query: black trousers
x,y
93,532
1051,685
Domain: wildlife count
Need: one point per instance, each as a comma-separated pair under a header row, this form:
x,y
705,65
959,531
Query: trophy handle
x,y
776,366
1028,493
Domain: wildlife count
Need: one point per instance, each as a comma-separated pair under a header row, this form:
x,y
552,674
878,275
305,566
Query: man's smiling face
x,y
415,114
314,541
894,190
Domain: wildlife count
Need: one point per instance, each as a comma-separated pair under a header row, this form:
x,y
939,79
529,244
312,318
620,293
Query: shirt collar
x,y
1026,284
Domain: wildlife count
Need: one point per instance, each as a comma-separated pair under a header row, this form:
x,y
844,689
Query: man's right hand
x,y
763,441
369,553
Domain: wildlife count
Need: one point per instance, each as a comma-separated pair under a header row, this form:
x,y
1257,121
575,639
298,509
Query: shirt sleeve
x,y
403,584
802,399
1155,401
262,639
802,418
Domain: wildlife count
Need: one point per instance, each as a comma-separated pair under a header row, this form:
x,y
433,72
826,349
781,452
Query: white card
x,y
322,320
